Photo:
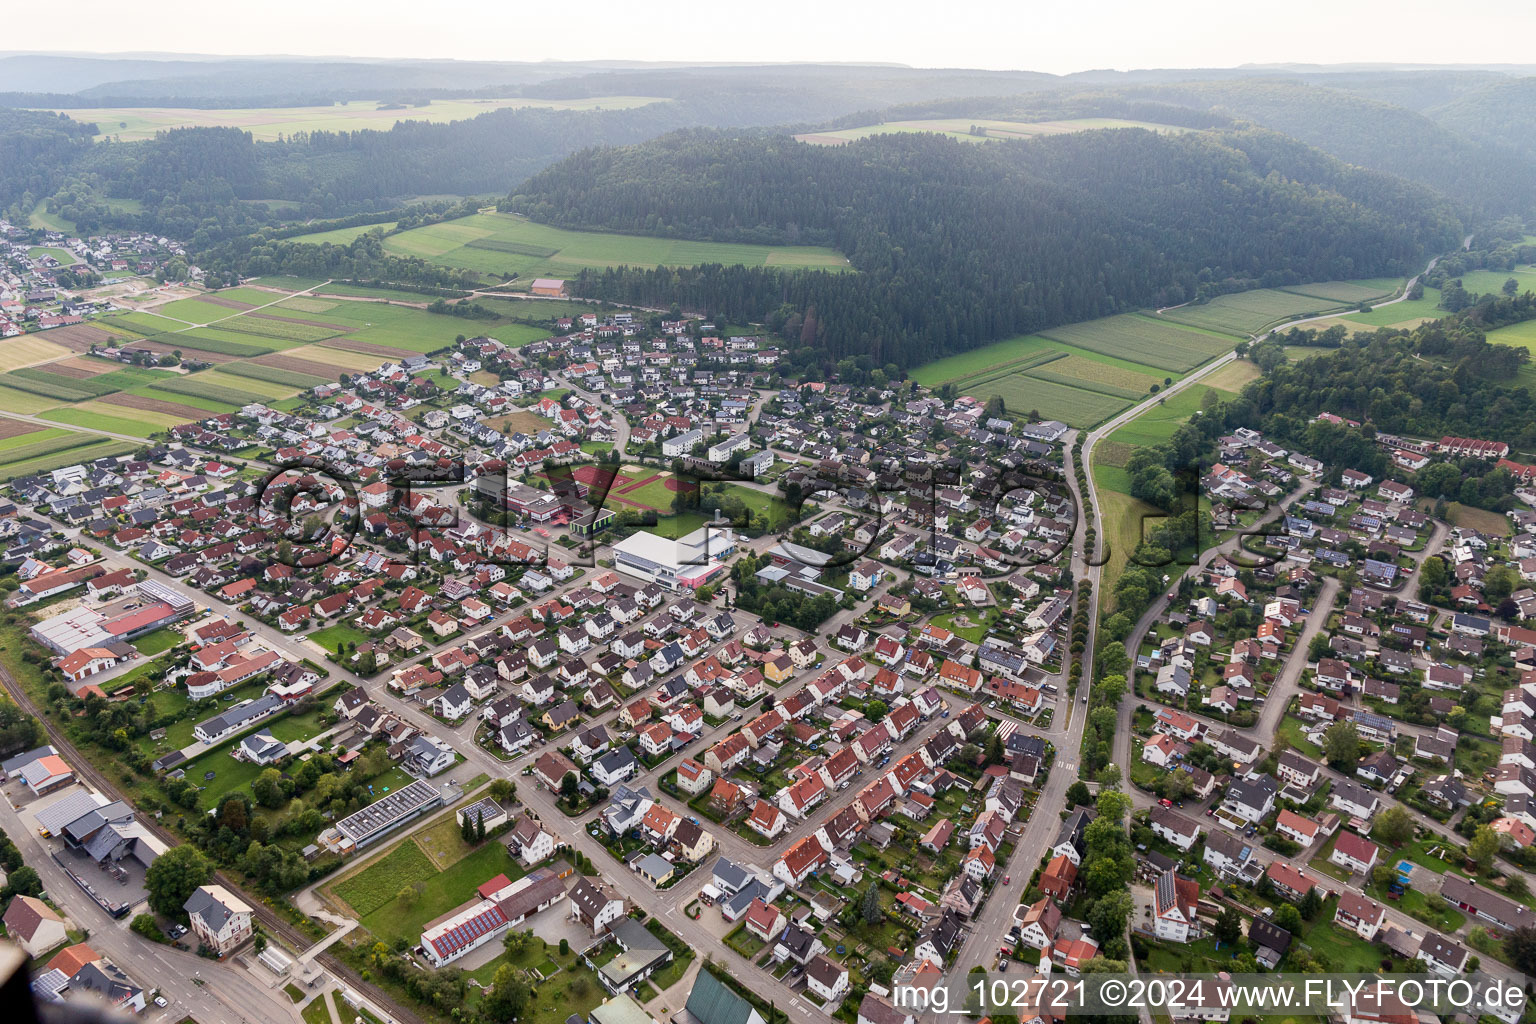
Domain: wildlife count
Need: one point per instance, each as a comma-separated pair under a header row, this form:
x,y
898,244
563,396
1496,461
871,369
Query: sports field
x,y
267,123
501,244
978,129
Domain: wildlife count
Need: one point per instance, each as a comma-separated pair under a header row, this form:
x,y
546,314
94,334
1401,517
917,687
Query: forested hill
x,y
959,244
1474,150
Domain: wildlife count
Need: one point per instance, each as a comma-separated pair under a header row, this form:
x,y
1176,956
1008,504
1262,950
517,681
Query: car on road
x,y
1166,802
162,1001
1007,879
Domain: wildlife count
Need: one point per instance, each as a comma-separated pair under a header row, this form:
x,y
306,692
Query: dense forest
x,y
198,183
957,244
1468,149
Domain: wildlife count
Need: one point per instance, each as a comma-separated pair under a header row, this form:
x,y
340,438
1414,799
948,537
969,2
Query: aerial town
x,y
690,690
438,611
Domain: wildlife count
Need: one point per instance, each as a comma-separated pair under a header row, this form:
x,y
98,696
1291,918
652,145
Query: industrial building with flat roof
x,y
690,561
151,606
388,813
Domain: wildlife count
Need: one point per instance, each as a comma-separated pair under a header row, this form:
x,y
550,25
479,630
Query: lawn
x,y
1484,282
1290,728
230,775
64,256
316,1011
1408,311
1345,952
501,244
151,644
380,882
441,891
332,637
1123,517
1157,424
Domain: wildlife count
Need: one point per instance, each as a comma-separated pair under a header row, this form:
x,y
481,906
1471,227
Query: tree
x,y
502,790
1229,926
514,943
1078,794
1110,913
268,789
509,995
1289,918
479,826
1520,944
569,787
1393,827
1311,905
1341,745
1483,847
174,876
24,881
869,910
466,829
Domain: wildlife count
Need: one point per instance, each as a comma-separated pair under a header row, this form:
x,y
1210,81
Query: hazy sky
x,y
1053,36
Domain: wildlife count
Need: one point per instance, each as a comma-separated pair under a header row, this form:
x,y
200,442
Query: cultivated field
x,y
267,123
1248,313
341,236
978,129
27,350
114,419
1132,336
1030,395
1349,291
501,244
1079,374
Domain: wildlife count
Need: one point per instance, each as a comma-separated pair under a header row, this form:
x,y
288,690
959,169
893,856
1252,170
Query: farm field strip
x,y
114,419
1094,372
40,442
501,243
28,350
97,448
1349,291
961,128
267,123
1071,405
1099,387
274,374
1246,313
1163,345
